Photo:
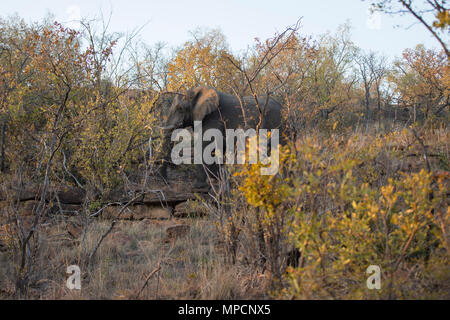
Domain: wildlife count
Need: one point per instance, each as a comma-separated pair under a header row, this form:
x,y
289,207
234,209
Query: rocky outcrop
x,y
138,212
189,209
65,194
158,200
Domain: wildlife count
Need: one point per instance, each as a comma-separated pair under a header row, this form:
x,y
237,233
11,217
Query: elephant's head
x,y
195,105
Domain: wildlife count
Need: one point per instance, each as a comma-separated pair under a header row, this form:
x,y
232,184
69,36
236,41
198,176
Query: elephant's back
x,y
271,109
244,113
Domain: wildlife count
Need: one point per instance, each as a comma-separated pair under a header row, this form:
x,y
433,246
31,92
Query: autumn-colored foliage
x,y
342,205
421,80
363,176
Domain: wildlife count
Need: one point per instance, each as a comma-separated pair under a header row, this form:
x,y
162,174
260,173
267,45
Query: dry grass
x,y
191,267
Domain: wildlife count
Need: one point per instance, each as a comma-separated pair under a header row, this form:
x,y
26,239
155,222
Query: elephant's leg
x,y
166,148
201,178
204,172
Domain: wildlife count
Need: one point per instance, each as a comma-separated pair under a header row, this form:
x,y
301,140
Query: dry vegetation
x,y
191,268
363,180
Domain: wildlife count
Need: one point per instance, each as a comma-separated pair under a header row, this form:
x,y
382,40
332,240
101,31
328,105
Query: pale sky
x,y
170,21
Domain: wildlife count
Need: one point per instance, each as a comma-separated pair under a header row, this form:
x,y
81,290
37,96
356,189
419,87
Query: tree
x,y
421,80
371,70
71,118
330,80
311,78
16,48
433,14
202,61
42,66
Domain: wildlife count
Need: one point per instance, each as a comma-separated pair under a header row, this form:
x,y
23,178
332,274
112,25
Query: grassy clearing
x,y
191,267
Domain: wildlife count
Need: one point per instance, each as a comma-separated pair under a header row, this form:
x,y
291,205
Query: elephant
x,y
218,110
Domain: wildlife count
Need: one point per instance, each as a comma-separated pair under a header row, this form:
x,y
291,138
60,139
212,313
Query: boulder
x,y
158,193
67,209
28,208
137,212
112,212
170,196
22,193
25,208
67,195
116,195
141,212
71,195
189,209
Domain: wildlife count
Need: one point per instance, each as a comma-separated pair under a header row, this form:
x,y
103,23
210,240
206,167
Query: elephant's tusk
x,y
166,127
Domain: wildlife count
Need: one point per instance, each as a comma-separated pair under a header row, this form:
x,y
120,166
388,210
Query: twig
x,y
150,275
113,223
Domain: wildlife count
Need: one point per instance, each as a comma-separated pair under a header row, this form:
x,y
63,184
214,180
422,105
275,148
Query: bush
x,y
343,204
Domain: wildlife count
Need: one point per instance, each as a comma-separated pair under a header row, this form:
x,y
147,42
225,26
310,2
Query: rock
x,y
27,208
116,195
68,209
146,221
71,196
141,212
112,212
137,212
178,191
67,195
159,193
189,209
166,196
177,231
22,193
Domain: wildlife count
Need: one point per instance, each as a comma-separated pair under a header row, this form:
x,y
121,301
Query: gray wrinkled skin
x,y
221,111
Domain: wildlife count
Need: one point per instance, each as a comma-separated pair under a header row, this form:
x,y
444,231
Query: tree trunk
x,y
367,97
2,148
379,106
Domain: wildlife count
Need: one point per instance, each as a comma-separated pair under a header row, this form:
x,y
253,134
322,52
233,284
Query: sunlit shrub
x,y
344,212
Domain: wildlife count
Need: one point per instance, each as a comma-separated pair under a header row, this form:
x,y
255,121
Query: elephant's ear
x,y
205,100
